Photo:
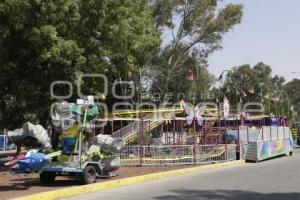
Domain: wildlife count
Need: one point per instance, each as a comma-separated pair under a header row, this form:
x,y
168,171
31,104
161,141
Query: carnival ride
x,y
79,153
73,130
178,135
266,136
177,128
145,120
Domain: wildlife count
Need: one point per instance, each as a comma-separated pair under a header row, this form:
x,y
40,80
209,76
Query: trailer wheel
x,y
47,177
89,175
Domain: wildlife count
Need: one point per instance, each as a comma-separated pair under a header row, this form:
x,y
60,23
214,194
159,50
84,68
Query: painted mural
x,y
274,148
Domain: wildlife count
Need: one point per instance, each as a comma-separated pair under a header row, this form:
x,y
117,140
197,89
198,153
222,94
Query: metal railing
x,y
128,132
3,142
4,146
264,133
274,133
165,155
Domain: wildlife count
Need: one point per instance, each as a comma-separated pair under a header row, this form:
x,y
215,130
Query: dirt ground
x,y
16,185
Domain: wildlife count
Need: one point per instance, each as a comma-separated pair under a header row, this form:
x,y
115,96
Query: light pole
x,y
220,80
288,101
261,92
283,94
238,93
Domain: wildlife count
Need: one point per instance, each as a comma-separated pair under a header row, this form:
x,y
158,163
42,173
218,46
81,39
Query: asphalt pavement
x,y
276,179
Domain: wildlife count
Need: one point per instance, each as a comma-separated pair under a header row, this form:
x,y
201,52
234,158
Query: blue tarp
x,y
33,163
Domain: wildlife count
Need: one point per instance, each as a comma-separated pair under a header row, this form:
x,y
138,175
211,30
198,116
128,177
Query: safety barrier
x,y
130,132
271,141
3,142
165,155
4,146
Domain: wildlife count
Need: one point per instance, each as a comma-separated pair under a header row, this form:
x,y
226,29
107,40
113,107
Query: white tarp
x,y
109,144
30,130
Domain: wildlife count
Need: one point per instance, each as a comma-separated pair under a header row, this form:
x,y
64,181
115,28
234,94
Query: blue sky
x,y
269,32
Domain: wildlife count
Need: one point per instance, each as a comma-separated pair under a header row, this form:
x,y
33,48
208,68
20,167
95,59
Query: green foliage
x,y
46,41
179,83
256,84
292,89
198,34
245,79
162,12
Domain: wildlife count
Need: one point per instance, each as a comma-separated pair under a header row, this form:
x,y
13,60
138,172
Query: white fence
x,y
177,154
264,133
275,133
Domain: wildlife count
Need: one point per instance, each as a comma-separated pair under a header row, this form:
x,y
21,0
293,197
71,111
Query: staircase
x,y
130,132
252,151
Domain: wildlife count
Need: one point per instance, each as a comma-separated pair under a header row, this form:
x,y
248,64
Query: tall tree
x,y
293,93
198,32
255,84
46,41
191,77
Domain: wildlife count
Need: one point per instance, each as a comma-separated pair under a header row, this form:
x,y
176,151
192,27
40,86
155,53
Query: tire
x,y
47,177
88,175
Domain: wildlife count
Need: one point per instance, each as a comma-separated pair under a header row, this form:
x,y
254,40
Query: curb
x,y
79,190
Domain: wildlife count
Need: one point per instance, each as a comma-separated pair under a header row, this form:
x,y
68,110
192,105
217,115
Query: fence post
x,y
277,132
174,130
141,145
247,135
194,149
239,145
4,140
226,152
112,125
271,134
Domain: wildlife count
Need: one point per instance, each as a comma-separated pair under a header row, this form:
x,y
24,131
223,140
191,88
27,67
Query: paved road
x,y
277,179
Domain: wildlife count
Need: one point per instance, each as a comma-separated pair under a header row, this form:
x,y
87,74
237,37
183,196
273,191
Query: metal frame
x,y
167,155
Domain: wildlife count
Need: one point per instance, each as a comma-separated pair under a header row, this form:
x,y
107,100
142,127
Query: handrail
x,y
135,126
271,135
